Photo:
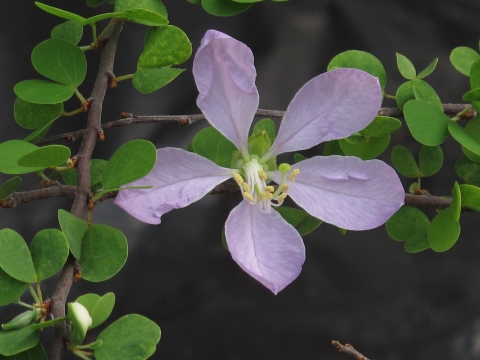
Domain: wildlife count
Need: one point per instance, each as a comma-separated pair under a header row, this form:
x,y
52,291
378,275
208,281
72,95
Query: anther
x,y
270,189
238,178
246,187
262,175
248,196
294,174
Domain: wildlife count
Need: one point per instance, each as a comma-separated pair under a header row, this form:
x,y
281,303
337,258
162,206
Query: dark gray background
x,y
360,288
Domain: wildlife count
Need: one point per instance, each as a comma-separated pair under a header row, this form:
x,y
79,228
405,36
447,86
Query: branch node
x,y
86,105
101,135
348,349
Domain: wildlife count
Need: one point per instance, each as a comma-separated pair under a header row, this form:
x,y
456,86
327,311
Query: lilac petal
x,y
265,246
225,76
346,191
332,105
178,179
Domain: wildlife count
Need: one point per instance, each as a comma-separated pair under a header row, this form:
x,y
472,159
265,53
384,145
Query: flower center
x,y
255,190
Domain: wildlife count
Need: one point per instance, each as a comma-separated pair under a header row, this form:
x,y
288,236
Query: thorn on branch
x,y
348,349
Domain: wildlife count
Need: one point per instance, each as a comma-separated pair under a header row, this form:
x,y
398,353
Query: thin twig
x,y
93,131
348,349
130,119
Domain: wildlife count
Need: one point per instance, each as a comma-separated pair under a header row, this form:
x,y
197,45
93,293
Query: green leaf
x,y
223,7
360,60
462,59
298,157
300,219
49,249
132,337
472,95
475,74
470,196
10,288
35,353
308,224
131,161
332,148
212,145
155,6
427,124
410,225
428,70
473,129
165,46
368,148
43,92
79,320
468,170
430,160
464,138
444,230
104,252
268,126
47,156
97,166
60,61
15,341
60,13
406,67
404,162
31,116
74,230
456,205
71,31
147,81
10,152
15,258
9,186
38,134
380,126
419,90
99,308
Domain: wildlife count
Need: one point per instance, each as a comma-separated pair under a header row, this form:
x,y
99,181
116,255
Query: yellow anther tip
x,y
248,196
238,178
262,175
270,189
294,174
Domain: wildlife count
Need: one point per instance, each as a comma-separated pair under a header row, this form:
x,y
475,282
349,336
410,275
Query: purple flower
x,y
341,190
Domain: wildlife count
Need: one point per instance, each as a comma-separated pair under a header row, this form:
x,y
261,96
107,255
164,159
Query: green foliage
x,y
419,90
428,70
427,124
32,116
60,13
367,148
468,170
468,142
155,6
99,307
104,252
15,341
462,59
470,197
74,230
360,60
15,258
224,7
132,337
9,186
130,162
300,219
71,31
47,156
430,160
49,250
405,66
444,231
10,288
410,225
268,126
35,353
43,92
404,162
381,126
97,166
211,144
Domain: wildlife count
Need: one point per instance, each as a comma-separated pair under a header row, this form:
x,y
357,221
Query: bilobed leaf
x,y
404,162
88,301
15,258
430,160
104,252
49,249
15,341
46,156
360,60
130,162
43,91
462,59
74,230
61,61
417,242
130,337
149,80
165,46
425,92
470,196
428,70
223,7
464,138
444,230
368,148
268,126
212,145
427,124
32,116
380,126
99,307
10,152
10,288
153,5
468,170
71,31
406,222
9,186
59,12
406,67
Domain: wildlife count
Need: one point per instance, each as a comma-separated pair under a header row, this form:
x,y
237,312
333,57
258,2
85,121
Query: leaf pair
x,y
408,71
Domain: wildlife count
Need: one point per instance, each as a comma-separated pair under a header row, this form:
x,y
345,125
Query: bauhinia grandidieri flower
x,y
341,190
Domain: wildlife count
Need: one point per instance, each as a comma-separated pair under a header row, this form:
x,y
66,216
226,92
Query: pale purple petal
x,y
346,191
225,76
332,105
265,246
178,179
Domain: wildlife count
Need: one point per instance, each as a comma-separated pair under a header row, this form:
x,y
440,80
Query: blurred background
x,y
360,288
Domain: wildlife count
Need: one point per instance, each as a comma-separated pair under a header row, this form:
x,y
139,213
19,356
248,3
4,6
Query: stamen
x,y
269,189
246,187
248,196
262,175
238,178
294,174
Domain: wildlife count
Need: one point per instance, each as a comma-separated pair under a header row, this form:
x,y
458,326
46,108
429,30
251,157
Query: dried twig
x,y
348,349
